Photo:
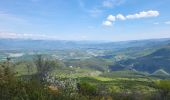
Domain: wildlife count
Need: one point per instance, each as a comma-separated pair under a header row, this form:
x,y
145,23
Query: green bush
x,y
86,88
164,89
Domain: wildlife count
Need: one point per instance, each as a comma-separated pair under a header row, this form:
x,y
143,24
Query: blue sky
x,y
110,20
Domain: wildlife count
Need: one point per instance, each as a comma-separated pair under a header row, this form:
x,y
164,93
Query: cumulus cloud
x,y
111,18
167,22
107,23
144,14
121,17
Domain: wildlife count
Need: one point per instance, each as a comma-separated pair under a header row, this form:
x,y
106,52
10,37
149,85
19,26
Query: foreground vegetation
x,y
49,80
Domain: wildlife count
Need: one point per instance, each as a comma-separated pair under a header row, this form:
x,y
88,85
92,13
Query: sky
x,y
109,20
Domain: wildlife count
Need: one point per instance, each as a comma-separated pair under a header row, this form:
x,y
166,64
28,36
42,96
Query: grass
x,y
121,84
102,78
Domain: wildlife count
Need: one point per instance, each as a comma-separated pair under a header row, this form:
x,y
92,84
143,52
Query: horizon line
x,y
86,40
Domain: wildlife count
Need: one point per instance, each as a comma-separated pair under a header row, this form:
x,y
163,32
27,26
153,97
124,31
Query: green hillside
x,y
161,72
160,59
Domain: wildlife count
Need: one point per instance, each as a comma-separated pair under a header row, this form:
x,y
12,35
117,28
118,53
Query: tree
x,y
44,65
40,63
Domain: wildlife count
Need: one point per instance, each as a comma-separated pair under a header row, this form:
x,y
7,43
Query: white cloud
x,y
111,18
168,22
107,23
143,14
121,17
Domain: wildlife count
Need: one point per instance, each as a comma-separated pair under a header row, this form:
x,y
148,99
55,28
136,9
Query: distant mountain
x,y
143,55
160,59
21,44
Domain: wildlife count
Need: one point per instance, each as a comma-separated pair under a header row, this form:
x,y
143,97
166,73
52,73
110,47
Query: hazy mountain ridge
x,y
160,59
21,44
